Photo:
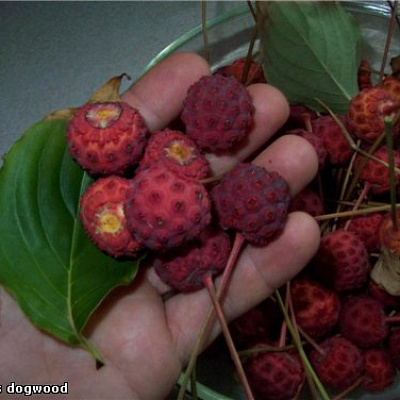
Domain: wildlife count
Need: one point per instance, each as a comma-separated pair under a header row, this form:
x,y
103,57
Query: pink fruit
x,y
217,112
184,268
164,210
107,138
252,201
102,215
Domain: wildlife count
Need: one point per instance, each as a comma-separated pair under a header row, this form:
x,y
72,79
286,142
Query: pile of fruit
x,y
345,305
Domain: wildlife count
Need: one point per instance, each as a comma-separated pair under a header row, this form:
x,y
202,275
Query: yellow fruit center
x,y
180,152
110,221
103,115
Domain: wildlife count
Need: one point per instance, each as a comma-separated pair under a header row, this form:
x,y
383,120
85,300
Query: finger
x,y
159,94
294,158
271,111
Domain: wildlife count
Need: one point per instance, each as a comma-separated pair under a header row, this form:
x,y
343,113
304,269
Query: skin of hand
x,y
144,340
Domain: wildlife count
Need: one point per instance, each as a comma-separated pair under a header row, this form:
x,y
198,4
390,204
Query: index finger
x,y
159,93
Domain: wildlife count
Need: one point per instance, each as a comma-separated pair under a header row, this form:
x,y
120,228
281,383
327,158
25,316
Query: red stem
x,y
209,284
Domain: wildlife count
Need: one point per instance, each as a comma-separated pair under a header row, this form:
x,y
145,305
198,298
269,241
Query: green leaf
x,y
311,50
55,273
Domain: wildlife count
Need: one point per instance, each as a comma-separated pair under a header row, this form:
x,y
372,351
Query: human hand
x,y
144,340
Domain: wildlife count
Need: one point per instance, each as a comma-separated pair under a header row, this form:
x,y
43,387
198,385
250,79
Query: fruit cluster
x,y
345,305
150,190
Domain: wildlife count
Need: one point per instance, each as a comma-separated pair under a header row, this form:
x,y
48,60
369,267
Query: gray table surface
x,y
55,54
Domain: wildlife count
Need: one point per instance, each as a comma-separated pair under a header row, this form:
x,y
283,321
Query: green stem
x,y
300,349
87,345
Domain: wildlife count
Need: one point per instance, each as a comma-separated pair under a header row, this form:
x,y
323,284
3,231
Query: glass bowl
x,y
229,37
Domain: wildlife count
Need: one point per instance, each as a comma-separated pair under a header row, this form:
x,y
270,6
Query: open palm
x,y
146,341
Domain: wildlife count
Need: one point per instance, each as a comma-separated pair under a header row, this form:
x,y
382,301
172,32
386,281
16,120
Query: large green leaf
x,y
311,50
55,273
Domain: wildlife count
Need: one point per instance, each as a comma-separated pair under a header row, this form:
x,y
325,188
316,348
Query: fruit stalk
x,y
209,284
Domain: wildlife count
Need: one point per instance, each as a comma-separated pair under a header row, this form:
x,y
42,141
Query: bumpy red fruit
x,y
107,138
379,370
274,376
102,215
342,261
307,201
252,201
375,173
338,362
164,210
217,112
177,152
316,307
336,145
363,321
186,267
367,111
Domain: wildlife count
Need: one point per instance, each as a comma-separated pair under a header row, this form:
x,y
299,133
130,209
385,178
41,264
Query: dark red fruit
x,y
184,268
252,201
366,227
379,370
342,261
259,324
307,201
335,142
107,138
338,362
363,321
316,307
274,376
217,112
394,346
164,210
